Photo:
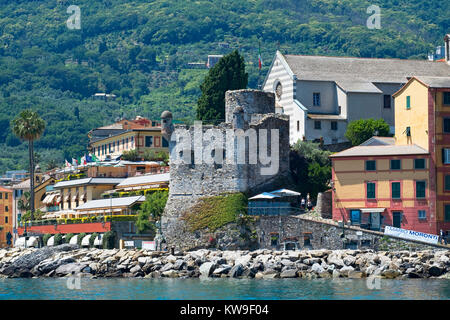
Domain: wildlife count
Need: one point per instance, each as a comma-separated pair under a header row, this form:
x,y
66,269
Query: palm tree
x,y
29,126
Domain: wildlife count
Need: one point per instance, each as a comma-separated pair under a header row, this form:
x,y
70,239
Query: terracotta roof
x,y
2,189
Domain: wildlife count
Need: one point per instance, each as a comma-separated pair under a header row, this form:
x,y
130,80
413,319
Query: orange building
x,y
402,181
6,227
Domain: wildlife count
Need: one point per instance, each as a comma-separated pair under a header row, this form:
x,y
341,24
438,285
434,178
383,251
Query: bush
x,y
58,239
80,238
215,212
109,240
45,238
68,237
361,130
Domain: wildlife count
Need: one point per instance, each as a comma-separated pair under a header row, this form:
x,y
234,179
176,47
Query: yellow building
x,y
74,193
6,223
402,181
109,142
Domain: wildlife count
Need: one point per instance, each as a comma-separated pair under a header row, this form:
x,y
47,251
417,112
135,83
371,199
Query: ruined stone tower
x,y
210,160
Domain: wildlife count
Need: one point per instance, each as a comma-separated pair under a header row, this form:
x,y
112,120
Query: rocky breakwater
x,y
68,260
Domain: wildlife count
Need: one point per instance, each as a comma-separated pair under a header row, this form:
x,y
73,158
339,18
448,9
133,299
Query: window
x,y
298,125
408,102
396,164
6,209
370,190
114,146
446,156
371,165
316,99
317,125
6,219
274,239
447,183
1,195
446,98
422,214
6,196
419,163
334,125
396,190
447,213
387,101
446,125
149,141
420,189
165,143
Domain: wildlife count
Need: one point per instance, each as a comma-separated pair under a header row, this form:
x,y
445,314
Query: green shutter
x,y
395,190
370,190
447,182
420,189
447,213
408,102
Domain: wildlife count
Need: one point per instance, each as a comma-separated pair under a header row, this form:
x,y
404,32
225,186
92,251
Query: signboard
x,y
149,245
129,243
411,235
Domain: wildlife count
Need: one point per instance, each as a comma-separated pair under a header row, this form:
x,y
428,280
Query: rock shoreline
x,y
69,260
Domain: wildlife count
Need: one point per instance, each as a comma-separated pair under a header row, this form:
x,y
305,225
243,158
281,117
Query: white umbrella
x,y
51,241
85,240
74,239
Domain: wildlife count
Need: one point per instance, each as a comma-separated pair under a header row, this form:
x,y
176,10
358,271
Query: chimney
x,y
447,48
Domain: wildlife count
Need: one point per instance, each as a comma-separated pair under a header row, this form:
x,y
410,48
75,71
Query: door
x,y
355,217
375,221
397,219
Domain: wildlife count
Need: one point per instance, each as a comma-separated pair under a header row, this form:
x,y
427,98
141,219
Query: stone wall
x,y
327,235
196,178
324,204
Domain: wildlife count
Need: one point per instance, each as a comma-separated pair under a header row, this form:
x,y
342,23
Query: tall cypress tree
x,y
228,74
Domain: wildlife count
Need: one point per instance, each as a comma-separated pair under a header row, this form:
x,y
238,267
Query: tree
x,y
29,126
131,155
228,74
152,207
361,130
310,167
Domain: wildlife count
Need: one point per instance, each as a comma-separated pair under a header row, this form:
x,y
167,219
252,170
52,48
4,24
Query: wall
x,y
388,114
416,118
68,228
325,132
6,208
328,95
191,181
350,179
280,73
442,140
326,235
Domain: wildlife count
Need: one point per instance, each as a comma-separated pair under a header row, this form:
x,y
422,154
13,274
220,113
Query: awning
x,y
47,199
285,192
85,241
74,198
264,195
32,242
58,200
51,241
20,242
74,239
83,196
98,240
66,198
368,210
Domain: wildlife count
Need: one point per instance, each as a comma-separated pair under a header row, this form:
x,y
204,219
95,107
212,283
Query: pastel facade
x,y
404,181
6,221
109,142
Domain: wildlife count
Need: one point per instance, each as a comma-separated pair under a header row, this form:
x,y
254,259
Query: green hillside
x,y
140,50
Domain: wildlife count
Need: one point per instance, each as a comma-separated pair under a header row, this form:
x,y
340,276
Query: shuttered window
x,y
370,190
447,213
446,125
396,164
420,189
395,190
371,165
419,163
408,102
447,183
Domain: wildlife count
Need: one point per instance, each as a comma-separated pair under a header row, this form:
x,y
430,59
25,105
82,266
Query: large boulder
x,y
236,271
290,273
70,268
207,268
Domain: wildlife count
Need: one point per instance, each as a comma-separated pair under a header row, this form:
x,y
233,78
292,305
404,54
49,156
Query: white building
x,y
322,95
